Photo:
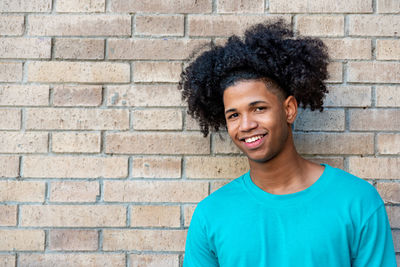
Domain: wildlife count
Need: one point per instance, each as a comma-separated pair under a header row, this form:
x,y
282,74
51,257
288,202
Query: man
x,y
286,211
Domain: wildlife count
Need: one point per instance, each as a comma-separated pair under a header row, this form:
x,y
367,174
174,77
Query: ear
x,y
290,105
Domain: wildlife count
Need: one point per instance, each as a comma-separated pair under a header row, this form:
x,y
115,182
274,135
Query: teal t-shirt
x,y
338,221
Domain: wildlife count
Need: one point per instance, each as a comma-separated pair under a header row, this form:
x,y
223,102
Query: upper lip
x,y
249,136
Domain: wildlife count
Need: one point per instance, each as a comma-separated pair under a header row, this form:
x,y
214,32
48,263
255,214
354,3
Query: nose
x,y
247,123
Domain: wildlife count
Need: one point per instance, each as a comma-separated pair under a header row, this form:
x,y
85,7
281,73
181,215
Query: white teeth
x,y
253,139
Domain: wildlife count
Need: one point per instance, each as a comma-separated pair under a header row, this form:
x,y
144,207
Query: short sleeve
x,y
375,247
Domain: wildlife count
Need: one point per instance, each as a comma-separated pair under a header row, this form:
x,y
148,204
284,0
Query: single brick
x,y
157,119
349,48
388,6
374,119
396,240
188,213
191,124
328,120
394,216
388,96
321,25
20,240
86,95
81,72
154,191
157,143
390,192
80,6
216,167
374,72
388,143
75,167
23,142
322,6
334,143
7,260
73,215
9,166
10,118
82,48
8,216
388,49
81,191
79,25
156,167
375,168
76,142
155,216
77,119
157,71
336,162
21,191
162,6
72,259
11,25
73,239
156,260
348,96
335,72
25,6
153,49
25,48
225,25
10,71
160,25
144,96
148,240
24,95
240,6
374,25
223,144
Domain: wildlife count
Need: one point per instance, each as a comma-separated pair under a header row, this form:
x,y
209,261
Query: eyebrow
x,y
252,104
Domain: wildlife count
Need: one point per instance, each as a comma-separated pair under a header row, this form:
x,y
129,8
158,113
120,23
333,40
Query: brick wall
x,y
99,163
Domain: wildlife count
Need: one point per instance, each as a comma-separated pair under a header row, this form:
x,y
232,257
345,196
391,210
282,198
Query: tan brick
x,y
80,6
143,260
24,95
322,6
82,72
349,48
157,143
11,25
374,72
396,240
223,144
9,166
394,216
153,49
75,167
155,216
7,261
160,25
216,167
72,48
334,143
388,143
321,25
66,260
388,96
388,6
374,120
240,6
374,25
88,95
375,168
191,124
73,239
74,191
10,118
8,216
188,213
18,47
10,71
149,240
23,142
157,71
25,6
154,191
76,142
328,120
20,240
77,119
162,6
388,49
336,162
225,25
157,119
73,215
335,71
218,184
156,167
390,192
348,96
144,96
22,191
79,25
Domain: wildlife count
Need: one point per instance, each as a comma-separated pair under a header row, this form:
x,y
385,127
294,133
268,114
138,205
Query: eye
x,y
233,115
260,108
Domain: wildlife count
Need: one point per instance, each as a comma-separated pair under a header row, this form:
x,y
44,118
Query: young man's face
x,y
257,119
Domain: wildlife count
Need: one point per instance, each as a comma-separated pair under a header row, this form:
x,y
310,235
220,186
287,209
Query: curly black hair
x,y
298,66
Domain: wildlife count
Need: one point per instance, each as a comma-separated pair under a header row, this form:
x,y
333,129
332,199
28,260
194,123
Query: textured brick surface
x,y
7,260
394,215
162,6
329,120
28,142
74,191
156,167
388,49
9,166
335,70
374,120
218,167
20,240
10,72
375,168
157,119
73,240
156,71
346,48
240,6
76,142
188,213
348,96
83,48
374,72
10,119
8,216
166,260
388,143
11,25
24,95
155,216
322,6
25,6
64,260
373,25
160,25
77,95
80,6
223,144
388,6
321,25
16,47
390,192
25,191
388,96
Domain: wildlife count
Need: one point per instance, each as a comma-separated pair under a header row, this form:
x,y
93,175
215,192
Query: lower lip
x,y
255,144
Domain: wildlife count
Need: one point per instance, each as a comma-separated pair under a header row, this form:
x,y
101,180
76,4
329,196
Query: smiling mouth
x,y
253,139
